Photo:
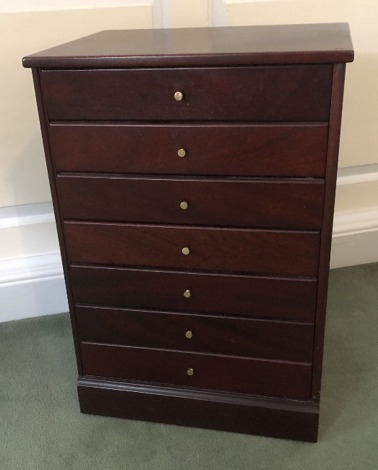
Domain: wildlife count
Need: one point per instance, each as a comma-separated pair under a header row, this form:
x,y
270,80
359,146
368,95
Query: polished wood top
x,y
244,45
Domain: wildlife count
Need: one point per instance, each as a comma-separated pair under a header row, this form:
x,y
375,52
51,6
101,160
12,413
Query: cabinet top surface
x,y
241,45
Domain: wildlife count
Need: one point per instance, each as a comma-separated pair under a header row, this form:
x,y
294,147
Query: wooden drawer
x,y
222,149
188,332
280,93
251,296
212,249
254,376
259,203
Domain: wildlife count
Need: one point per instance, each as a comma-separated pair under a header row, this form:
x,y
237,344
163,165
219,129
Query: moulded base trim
x,y
280,418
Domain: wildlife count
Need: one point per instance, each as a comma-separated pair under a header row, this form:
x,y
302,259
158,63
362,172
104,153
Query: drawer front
x,y
250,296
238,150
188,332
254,376
195,248
280,93
270,204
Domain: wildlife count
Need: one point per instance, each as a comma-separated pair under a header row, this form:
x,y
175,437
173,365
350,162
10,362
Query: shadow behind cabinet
x,y
193,176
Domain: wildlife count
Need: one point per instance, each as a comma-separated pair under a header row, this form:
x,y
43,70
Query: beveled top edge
x,y
234,45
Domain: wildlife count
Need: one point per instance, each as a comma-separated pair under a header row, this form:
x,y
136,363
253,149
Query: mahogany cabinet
x,y
193,177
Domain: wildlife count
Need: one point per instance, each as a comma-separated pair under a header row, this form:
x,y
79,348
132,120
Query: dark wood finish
x,y
214,334
213,249
252,296
245,45
287,93
326,234
222,149
242,375
260,123
259,203
56,203
205,409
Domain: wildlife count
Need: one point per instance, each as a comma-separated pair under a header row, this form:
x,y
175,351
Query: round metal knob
x,y
190,372
181,153
189,334
185,250
187,294
178,96
184,205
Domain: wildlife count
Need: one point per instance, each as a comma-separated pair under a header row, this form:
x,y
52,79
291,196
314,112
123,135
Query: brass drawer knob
x,y
181,153
178,96
190,372
189,334
184,205
185,250
187,294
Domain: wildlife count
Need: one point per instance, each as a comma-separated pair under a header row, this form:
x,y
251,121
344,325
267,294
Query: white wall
x,y
28,242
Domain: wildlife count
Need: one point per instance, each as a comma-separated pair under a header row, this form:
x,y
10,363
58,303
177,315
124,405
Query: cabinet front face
x,y
194,207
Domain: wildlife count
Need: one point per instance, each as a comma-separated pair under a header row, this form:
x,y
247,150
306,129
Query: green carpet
x,y
41,426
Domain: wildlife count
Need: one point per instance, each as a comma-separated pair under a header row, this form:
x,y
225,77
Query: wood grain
x,y
235,46
287,93
326,233
290,419
251,296
252,376
213,334
243,149
259,203
211,249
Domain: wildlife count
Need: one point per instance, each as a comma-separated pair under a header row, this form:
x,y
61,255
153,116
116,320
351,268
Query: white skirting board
x,y
34,285
355,238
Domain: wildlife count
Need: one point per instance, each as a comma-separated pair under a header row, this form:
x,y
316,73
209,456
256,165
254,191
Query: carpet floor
x,y
41,426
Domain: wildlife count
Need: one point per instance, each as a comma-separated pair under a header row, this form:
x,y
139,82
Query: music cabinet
x,y
193,176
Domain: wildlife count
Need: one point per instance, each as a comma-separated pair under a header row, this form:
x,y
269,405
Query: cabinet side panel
x,y
52,172
326,233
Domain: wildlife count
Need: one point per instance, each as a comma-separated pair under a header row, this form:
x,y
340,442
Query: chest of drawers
x,y
193,177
